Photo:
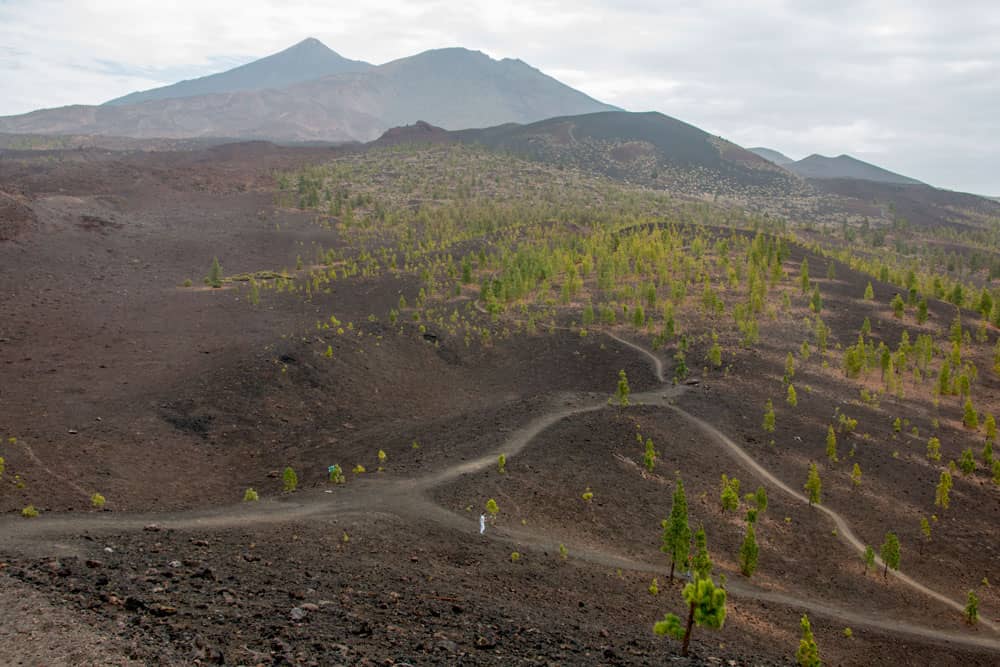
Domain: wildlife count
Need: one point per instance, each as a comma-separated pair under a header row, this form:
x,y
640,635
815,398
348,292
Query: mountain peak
x,y
303,61
846,166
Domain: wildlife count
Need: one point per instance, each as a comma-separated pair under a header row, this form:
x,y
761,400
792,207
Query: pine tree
x,y
793,397
290,480
676,531
813,485
996,471
991,428
925,530
941,494
970,419
890,553
816,301
730,496
856,475
944,378
769,417
649,457
808,653
749,552
869,292
972,609
706,601
868,558
215,273
622,392
804,275
492,508
898,307
831,444
760,499
968,461
789,367
934,449
715,352
701,562
922,311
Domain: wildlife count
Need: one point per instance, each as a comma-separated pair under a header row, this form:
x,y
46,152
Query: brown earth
x,y
172,400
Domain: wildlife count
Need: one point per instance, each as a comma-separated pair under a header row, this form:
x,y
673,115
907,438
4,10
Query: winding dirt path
x,y
408,498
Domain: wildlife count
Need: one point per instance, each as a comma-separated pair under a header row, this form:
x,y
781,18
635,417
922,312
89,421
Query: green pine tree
x,y
706,601
730,496
622,392
793,397
808,653
943,490
749,552
972,609
813,485
676,531
215,273
649,457
970,418
868,558
769,417
890,553
290,480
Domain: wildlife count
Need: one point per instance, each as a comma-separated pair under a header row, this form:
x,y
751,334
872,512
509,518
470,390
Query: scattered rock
x,y
162,610
298,613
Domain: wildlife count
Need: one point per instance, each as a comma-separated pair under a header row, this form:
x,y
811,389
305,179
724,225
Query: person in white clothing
x,y
482,524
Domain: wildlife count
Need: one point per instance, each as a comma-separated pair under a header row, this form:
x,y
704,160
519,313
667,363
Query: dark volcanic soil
x,y
118,379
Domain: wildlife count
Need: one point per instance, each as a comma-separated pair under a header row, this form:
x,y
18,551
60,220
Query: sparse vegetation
x,y
290,480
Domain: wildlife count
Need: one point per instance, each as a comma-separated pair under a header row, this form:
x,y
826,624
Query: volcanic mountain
x,y
340,100
309,59
843,166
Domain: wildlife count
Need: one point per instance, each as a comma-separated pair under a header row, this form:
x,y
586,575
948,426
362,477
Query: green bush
x,y
290,480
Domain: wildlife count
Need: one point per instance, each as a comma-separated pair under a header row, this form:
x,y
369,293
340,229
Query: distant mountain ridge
x,y
845,166
647,147
453,88
309,59
774,156
842,166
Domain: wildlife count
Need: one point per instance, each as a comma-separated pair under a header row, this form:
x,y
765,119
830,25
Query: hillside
x,y
776,157
845,166
453,88
445,323
309,59
648,147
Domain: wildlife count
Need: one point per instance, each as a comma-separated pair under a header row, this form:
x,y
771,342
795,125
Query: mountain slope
x,y
457,88
451,88
309,59
774,156
645,147
845,166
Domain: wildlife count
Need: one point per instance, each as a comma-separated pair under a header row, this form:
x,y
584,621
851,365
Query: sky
x,y
911,85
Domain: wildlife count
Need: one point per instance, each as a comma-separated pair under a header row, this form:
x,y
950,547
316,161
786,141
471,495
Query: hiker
x,y
482,524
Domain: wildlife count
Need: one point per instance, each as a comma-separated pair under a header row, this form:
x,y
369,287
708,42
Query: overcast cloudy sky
x,y
913,85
